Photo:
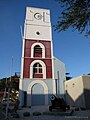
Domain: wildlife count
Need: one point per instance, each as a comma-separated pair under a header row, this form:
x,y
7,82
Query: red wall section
x,y
48,63
27,62
29,43
38,75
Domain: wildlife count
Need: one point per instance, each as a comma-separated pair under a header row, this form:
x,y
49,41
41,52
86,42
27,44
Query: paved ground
x,y
77,115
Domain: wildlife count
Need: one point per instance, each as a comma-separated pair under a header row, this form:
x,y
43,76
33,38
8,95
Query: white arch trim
x,y
43,68
44,86
43,49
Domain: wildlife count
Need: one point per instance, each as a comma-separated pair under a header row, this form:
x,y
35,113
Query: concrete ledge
x,y
61,113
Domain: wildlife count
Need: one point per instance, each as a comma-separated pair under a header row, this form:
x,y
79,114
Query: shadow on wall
x,y
34,99
87,98
82,101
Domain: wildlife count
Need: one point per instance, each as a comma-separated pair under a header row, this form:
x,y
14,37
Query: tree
x,y
14,83
75,14
68,77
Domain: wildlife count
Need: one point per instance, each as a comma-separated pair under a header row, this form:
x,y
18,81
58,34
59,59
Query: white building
x,y
78,91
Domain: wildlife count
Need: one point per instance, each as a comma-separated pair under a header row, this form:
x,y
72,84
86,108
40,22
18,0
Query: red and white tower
x,y
37,51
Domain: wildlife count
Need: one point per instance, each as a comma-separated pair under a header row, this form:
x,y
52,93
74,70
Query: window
x,y
37,51
38,33
37,68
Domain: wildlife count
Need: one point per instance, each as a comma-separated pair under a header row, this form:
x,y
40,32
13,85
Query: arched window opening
x,y
41,68
37,70
37,51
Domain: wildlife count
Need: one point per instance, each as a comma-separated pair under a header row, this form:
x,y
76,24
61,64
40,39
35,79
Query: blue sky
x,y
70,47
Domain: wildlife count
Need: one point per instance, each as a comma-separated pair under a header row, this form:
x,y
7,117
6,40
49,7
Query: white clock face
x,y
38,16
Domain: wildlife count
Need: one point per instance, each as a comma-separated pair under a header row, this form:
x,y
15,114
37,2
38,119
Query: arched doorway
x,y
38,92
37,95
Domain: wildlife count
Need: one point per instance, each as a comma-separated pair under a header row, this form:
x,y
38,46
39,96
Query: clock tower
x,y
37,51
37,82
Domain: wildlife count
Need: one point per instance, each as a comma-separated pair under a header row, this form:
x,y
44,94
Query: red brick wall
x,y
28,60
28,44
38,76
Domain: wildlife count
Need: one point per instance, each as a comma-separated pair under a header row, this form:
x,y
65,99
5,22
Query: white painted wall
x,y
38,20
60,75
31,14
75,93
45,32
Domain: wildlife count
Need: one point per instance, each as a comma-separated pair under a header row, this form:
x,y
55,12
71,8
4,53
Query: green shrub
x,y
26,114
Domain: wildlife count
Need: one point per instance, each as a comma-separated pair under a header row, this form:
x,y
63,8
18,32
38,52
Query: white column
x,y
54,87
